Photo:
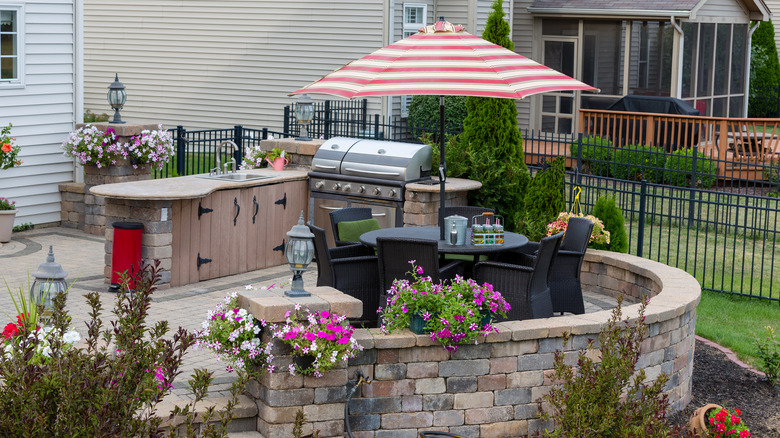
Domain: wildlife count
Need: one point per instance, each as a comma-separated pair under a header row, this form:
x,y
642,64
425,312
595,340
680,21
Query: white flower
x,y
46,351
248,287
242,312
71,337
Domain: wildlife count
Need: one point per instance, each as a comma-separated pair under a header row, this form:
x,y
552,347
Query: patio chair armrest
x,y
352,250
524,255
450,270
506,266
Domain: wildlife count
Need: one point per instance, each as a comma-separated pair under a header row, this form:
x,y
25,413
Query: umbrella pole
x,y
442,168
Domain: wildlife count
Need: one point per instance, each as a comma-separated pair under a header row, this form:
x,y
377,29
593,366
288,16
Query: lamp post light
x,y
117,98
299,252
49,281
304,113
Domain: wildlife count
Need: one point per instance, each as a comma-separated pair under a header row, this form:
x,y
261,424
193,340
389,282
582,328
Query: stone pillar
x,y
298,152
421,206
94,206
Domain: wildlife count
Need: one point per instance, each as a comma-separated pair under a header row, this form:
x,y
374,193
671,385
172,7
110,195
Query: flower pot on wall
x,y
6,224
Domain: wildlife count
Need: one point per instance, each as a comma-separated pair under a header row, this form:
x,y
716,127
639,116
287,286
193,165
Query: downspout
x,y
78,76
747,70
680,48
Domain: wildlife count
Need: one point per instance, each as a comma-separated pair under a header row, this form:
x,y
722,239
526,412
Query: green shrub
x,y
608,396
424,114
457,156
638,162
607,210
678,169
764,71
597,154
769,353
90,117
544,199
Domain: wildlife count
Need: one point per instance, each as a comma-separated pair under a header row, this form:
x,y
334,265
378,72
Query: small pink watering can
x,y
278,163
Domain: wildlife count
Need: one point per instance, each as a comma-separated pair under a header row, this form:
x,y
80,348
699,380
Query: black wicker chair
x,y
565,285
524,287
394,256
351,269
346,215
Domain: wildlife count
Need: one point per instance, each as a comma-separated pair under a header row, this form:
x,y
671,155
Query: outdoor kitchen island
x,y
202,228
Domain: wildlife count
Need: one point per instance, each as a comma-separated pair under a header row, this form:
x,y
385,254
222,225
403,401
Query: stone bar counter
x,y
203,228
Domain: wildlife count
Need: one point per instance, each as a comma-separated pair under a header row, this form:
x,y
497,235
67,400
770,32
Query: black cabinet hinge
x,y
283,201
201,261
202,210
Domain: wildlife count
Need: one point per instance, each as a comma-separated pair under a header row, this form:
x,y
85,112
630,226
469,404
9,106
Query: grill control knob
x,y
393,193
362,189
336,186
319,185
347,188
377,191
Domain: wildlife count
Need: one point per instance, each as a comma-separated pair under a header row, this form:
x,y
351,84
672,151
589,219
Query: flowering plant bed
x,y
234,335
725,424
325,336
599,235
8,150
91,146
7,204
151,147
453,313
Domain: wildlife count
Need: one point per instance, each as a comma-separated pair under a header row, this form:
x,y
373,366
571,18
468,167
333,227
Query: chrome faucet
x,y
224,169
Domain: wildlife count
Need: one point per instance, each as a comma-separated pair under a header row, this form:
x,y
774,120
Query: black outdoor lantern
x,y
304,113
299,252
117,98
49,281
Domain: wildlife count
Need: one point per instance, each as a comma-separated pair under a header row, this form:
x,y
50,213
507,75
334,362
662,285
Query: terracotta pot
x,y
6,224
698,423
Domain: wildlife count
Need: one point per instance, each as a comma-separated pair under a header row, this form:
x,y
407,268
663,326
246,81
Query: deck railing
x,y
734,142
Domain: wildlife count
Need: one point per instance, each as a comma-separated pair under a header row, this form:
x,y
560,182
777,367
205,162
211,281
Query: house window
x,y
10,44
415,17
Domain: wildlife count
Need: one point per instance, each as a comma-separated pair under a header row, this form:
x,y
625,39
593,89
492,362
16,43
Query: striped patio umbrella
x,y
442,59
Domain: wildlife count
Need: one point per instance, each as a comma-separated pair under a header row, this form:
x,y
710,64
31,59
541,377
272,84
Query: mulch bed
x,y
716,379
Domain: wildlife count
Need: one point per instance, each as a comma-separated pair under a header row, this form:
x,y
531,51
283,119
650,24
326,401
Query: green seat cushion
x,y
350,231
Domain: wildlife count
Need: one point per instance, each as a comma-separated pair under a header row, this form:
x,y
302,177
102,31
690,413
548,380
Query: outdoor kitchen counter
x,y
191,187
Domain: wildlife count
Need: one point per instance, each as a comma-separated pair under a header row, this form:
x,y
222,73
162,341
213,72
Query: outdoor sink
x,y
235,177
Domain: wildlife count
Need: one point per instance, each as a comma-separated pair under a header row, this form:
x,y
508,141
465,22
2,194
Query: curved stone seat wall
x,y
485,390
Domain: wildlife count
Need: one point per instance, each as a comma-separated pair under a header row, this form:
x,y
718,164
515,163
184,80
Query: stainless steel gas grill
x,y
351,172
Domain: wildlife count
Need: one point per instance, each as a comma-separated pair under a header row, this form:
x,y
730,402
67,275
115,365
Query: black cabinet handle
x,y
238,210
283,201
257,208
280,247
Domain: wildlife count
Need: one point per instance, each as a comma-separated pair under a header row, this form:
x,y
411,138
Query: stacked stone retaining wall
x,y
485,390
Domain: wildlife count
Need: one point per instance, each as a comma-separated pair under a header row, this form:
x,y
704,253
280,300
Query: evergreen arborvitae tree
x,y
764,72
544,199
607,210
494,141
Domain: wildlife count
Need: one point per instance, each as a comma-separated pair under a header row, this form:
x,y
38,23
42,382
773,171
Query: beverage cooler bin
x,y
126,253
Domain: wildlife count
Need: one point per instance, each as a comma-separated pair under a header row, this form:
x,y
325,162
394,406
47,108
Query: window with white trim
x,y
415,17
11,44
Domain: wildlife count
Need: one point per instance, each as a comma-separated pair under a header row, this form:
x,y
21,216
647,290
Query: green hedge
x,y
678,169
596,156
637,162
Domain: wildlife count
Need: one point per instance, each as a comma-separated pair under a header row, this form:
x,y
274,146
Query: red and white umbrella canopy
x,y
442,59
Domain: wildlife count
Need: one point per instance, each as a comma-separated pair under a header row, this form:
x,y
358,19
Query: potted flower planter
x,y
697,425
6,224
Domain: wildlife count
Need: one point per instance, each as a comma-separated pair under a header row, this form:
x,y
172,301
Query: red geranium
x,y
10,330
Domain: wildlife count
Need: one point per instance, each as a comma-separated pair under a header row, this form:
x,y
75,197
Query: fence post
x,y
364,114
238,139
579,159
265,133
286,126
327,119
181,150
376,126
640,235
692,197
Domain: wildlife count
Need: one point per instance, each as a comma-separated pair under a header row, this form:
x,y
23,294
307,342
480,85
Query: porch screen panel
x,y
722,67
691,33
706,61
738,55
650,58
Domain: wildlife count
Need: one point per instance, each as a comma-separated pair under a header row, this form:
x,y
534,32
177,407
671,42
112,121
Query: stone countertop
x,y
452,185
192,186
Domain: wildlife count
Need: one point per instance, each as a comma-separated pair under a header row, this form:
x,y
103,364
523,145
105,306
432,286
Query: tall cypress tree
x,y
764,72
494,141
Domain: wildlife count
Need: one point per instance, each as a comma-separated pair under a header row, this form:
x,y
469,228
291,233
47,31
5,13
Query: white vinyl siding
x,y
721,11
41,110
203,64
484,8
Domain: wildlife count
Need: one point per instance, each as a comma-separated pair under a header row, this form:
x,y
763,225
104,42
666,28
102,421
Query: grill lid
x,y
374,159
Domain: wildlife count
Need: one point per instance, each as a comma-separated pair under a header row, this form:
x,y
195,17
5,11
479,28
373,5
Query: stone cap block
x,y
272,306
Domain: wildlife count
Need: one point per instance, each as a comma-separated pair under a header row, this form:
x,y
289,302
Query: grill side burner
x,y
350,172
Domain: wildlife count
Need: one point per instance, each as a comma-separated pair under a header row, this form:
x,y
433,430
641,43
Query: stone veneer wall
x,y
485,390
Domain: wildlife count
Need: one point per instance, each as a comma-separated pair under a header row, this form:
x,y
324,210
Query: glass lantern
x,y
304,113
49,281
117,98
299,252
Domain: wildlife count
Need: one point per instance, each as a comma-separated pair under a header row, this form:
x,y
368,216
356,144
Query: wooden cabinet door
x,y
276,234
